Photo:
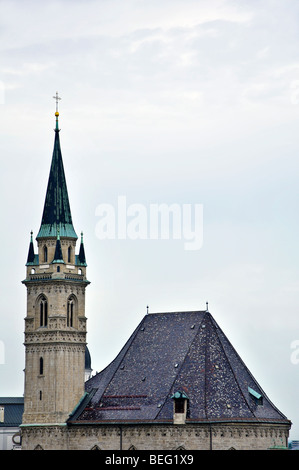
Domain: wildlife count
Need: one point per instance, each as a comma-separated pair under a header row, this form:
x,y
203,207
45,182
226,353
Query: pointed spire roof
x,y
57,212
81,260
31,255
58,257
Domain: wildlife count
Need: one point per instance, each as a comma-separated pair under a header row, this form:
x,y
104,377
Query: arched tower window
x,y
43,311
45,254
69,254
70,315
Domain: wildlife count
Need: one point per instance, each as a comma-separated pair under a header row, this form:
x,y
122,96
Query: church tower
x,y
55,324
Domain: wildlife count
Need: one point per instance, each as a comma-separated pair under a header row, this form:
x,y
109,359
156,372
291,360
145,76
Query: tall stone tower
x,y
55,324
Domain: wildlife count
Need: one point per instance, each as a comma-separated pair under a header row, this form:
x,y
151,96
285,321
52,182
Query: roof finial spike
x,y
207,305
31,236
147,307
57,98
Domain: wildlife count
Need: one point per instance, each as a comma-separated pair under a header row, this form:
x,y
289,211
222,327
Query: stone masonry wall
x,y
155,437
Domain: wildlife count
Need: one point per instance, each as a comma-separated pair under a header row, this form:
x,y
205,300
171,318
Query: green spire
x,y
57,212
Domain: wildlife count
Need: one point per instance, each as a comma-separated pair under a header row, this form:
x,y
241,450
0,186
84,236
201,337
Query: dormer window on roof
x,y
181,407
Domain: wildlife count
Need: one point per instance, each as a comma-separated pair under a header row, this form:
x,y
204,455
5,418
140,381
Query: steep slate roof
x,y
57,212
170,352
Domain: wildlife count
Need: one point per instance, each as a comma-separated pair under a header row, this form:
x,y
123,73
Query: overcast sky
x,y
167,101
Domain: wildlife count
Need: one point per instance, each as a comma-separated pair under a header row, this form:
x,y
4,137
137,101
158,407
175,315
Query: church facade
x,y
177,383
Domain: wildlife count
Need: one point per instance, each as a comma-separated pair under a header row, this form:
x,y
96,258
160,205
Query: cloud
x,y
56,20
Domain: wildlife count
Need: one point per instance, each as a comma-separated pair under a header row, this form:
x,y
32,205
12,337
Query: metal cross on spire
x,y
57,98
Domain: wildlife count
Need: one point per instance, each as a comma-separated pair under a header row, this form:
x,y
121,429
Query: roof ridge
x,y
176,311
215,325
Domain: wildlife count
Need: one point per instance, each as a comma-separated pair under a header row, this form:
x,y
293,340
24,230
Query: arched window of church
x,y
45,254
69,254
43,311
41,366
70,315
